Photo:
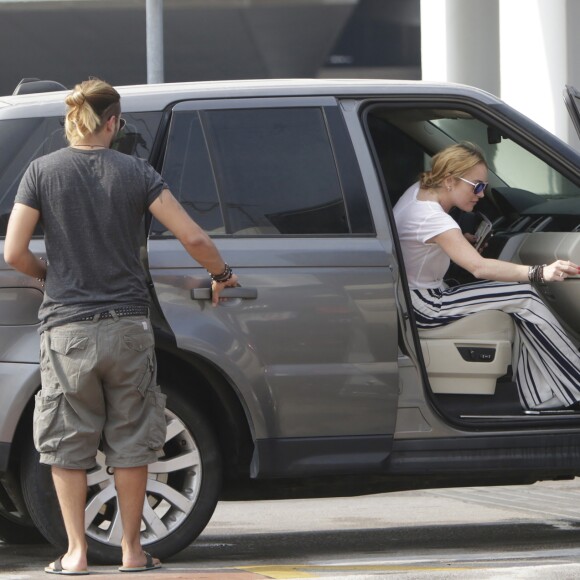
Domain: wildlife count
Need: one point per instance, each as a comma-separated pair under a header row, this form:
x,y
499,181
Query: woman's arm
x,y
454,244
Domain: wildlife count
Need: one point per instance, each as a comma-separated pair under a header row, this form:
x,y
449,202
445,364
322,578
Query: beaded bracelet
x,y
223,276
536,274
42,280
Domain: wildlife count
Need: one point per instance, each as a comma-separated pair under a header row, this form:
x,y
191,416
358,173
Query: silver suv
x,y
311,379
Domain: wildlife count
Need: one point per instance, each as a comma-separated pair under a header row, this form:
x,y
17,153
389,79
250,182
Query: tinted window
x,y
264,172
276,170
23,140
188,173
139,134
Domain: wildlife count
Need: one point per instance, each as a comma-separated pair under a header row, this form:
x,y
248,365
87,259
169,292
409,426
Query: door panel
x,y
311,353
562,299
313,350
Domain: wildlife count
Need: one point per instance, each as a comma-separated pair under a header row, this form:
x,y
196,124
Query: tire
x,y
16,526
14,531
182,491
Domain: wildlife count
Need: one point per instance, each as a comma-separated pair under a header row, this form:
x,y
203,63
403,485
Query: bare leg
x,y
131,483
71,490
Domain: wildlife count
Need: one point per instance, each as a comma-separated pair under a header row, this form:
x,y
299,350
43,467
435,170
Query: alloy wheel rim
x,y
173,487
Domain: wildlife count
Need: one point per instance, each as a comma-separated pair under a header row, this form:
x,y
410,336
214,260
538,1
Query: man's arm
x,y
21,224
197,243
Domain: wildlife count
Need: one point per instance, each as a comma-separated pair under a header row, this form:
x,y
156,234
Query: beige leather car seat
x,y
468,356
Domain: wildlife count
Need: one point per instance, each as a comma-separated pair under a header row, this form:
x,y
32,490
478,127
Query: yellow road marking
x,y
277,572
305,571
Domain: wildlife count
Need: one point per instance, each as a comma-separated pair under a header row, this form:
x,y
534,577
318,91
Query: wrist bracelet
x,y
42,280
222,276
536,274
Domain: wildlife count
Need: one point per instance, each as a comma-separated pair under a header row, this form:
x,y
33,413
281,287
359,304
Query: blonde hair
x,y
91,104
453,161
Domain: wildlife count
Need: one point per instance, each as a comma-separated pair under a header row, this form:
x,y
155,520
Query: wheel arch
x,y
207,387
22,432
11,497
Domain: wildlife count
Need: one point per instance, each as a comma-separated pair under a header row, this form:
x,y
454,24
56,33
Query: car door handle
x,y
237,292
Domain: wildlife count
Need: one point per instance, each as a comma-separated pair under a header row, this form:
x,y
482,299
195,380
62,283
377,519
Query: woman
x,y
547,363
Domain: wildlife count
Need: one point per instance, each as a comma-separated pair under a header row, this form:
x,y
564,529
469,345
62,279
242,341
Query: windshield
x,y
511,164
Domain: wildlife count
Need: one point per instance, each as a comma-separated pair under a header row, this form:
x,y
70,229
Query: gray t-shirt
x,y
92,205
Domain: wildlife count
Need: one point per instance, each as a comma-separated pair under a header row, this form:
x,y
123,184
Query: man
x,y
97,352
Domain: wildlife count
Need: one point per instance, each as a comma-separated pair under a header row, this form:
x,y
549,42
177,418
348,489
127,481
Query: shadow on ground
x,y
250,549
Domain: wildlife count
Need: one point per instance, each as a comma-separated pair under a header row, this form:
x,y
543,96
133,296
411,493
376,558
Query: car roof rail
x,y
33,85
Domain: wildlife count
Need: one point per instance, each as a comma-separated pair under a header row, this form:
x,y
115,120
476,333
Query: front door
x,y
309,341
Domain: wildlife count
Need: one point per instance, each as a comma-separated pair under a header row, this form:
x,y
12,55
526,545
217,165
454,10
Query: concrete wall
x,y
68,41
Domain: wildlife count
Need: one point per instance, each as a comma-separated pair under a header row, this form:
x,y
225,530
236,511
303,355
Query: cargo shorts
x,y
99,383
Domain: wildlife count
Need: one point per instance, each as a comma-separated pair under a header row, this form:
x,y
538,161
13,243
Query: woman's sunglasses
x,y
478,186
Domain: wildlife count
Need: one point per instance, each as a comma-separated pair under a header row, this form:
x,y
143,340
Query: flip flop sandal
x,y
58,569
149,565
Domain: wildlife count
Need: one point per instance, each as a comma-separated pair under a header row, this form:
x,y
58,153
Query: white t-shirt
x,y
418,221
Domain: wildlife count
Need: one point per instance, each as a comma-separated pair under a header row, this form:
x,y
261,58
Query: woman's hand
x,y
560,270
472,239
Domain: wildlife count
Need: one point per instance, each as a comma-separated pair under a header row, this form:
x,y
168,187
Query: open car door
x,y
572,100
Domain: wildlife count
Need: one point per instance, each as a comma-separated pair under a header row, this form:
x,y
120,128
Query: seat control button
x,y
476,354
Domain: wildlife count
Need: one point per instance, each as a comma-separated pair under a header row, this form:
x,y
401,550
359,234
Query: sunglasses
x,y
122,122
478,186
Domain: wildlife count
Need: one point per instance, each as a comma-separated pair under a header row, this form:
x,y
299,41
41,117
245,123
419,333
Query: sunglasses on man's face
x,y
122,122
478,186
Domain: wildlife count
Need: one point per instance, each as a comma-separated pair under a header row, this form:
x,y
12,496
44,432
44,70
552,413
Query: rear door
x,y
21,141
310,340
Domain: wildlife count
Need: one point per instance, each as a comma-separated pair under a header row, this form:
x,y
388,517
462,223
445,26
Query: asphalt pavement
x,y
496,532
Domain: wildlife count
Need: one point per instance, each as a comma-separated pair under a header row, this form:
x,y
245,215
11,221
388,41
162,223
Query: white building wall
x,y
434,64
524,51
534,60
473,48
573,54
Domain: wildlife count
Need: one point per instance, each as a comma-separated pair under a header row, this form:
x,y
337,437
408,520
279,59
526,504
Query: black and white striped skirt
x,y
545,361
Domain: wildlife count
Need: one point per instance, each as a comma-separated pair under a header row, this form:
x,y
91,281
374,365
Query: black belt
x,y
114,313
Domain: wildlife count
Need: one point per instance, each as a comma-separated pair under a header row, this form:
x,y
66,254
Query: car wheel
x,y
182,491
14,531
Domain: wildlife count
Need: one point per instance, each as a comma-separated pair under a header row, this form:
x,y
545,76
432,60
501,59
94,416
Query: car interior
x,y
533,211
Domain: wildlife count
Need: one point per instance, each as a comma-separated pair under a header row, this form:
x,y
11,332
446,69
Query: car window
x,y
188,172
139,134
265,171
23,140
405,139
506,159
